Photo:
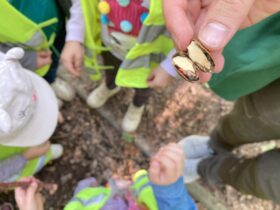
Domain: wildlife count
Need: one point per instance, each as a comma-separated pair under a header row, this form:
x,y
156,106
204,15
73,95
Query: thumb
x,y
221,22
19,195
32,189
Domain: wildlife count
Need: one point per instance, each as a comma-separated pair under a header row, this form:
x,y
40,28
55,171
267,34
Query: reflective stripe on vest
x,y
32,167
143,190
89,199
24,32
142,61
35,165
93,46
150,33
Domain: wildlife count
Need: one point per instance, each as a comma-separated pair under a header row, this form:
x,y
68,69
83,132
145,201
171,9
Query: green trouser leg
x,y
254,118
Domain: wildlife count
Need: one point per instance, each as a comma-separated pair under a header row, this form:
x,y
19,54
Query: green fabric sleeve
x,y
252,60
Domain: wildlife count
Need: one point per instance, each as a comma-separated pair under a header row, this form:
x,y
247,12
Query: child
x,y
28,117
161,189
37,26
137,40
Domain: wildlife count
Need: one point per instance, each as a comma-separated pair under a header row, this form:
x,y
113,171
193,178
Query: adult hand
x,y
30,198
213,22
167,165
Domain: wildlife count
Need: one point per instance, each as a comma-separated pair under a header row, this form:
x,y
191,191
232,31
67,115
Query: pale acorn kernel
x,y
196,54
201,56
184,63
185,67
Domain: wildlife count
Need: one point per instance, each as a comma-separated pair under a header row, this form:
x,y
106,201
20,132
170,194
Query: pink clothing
x,y
131,13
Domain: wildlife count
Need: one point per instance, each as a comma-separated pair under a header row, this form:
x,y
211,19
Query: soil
x,y
92,147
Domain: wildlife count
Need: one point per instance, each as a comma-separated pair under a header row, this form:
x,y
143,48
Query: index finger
x,y
178,22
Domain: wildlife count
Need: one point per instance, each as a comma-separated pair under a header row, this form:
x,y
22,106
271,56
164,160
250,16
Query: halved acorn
x,y
201,57
185,67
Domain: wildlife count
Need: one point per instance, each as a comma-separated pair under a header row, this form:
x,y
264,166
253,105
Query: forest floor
x,y
92,147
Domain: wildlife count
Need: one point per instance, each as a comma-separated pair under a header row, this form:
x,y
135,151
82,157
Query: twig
x,y
6,186
205,197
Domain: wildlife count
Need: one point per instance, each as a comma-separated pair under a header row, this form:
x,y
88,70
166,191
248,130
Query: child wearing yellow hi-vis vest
x,y
135,44
37,26
162,188
28,117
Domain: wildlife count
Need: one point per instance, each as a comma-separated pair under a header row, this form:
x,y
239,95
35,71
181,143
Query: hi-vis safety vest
x,y
31,167
93,46
17,29
96,197
153,45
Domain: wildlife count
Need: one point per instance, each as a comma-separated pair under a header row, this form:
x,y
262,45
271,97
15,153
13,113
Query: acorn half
x,y
185,67
196,58
200,55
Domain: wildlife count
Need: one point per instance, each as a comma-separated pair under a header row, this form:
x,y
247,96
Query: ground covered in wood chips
x,y
94,148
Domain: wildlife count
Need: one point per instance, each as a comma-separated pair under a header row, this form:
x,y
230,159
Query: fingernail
x,y
214,34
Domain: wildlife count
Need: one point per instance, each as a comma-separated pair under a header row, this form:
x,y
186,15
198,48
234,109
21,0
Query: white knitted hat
x,y
28,107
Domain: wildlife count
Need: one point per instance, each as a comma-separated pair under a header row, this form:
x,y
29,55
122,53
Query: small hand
x,y
72,57
43,58
159,78
30,198
167,165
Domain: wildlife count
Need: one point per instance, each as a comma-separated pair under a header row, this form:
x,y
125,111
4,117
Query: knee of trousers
x,y
268,175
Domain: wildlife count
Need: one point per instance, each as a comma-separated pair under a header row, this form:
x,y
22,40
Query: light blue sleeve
x,y
168,66
174,196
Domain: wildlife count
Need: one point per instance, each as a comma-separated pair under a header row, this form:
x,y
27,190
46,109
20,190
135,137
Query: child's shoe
x,y
59,102
196,149
132,118
191,170
100,95
57,151
63,90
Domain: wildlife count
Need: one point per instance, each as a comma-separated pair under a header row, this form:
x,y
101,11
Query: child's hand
x,y
43,58
72,57
37,151
167,165
159,78
30,198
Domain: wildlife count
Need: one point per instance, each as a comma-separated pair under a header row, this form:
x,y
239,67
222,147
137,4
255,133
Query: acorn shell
x,y
185,67
200,56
